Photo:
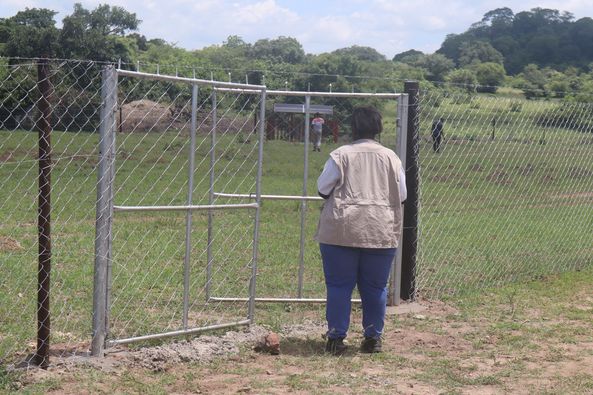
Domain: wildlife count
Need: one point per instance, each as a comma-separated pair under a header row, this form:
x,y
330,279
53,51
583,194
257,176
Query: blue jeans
x,y
345,267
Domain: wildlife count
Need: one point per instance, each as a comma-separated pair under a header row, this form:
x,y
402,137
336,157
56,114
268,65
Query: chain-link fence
x,y
174,242
290,269
505,195
506,189
75,101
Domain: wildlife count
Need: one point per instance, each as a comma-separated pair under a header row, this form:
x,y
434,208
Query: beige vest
x,y
364,209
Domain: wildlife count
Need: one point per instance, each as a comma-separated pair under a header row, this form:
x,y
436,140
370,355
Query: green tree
x,y
140,41
437,66
281,49
532,81
367,54
541,36
499,17
463,78
559,84
406,56
581,34
232,56
235,41
478,52
451,47
31,33
585,92
490,76
97,34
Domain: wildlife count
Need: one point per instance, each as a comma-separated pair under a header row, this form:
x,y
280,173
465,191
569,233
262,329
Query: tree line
x,y
542,52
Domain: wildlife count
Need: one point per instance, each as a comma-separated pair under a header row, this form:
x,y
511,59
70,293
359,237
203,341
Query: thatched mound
x,y
148,116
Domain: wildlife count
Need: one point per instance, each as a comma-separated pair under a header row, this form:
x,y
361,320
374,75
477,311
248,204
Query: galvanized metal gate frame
x,y
106,208
401,136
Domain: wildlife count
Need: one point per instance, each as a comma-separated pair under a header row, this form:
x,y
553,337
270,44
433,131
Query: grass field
x,y
492,212
532,337
506,201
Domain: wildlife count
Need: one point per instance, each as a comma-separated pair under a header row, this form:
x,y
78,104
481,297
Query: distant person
x,y
317,131
437,134
359,229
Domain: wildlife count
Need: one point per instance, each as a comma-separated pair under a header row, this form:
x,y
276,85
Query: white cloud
x,y
266,11
330,28
389,26
205,5
434,23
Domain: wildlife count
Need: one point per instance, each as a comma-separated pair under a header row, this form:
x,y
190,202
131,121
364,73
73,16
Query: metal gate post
x,y
104,214
260,155
188,218
211,196
393,298
304,202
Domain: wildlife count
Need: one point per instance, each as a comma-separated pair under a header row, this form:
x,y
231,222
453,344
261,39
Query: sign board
x,y
300,108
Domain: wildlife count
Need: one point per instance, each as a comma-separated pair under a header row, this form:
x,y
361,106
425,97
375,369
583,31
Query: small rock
x,y
419,317
272,343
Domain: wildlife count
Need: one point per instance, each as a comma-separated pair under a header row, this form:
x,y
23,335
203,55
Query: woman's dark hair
x,y
366,123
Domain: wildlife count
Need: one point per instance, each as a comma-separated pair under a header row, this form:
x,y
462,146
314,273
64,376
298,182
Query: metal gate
x,y
164,241
290,266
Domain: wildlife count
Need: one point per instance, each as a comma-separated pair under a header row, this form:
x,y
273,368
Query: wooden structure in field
x,y
291,127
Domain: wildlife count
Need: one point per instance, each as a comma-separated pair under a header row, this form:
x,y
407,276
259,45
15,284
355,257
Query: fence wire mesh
x,y
75,104
290,262
152,165
507,197
507,194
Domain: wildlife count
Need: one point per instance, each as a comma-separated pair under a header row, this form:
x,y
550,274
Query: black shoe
x,y
335,346
371,345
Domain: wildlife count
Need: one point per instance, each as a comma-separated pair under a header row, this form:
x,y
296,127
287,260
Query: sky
x,y
389,26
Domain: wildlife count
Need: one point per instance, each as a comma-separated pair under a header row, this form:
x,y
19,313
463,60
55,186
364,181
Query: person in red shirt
x,y
316,132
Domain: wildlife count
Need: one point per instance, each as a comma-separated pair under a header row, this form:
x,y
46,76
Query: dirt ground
x,y
428,349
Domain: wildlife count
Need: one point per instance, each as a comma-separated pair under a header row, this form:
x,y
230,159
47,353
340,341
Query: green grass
x,y
492,212
521,329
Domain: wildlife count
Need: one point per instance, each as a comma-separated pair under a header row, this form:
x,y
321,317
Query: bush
x,y
515,106
568,116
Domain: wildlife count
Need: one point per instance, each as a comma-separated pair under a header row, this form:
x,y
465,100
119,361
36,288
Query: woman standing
x,y
359,229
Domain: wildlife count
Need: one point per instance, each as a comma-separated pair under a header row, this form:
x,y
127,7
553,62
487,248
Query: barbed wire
x,y
490,209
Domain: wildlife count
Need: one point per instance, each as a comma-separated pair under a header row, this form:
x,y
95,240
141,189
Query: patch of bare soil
x,y
576,195
526,170
9,245
157,358
444,177
425,352
5,156
579,172
476,167
17,155
499,177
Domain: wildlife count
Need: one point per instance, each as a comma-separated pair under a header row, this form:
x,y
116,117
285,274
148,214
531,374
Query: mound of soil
x,y
148,116
8,244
